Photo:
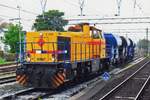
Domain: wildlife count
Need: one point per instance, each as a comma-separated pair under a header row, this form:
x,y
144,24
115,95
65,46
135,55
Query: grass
x,y
2,61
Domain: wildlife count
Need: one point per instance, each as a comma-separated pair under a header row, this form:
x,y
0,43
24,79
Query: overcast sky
x,y
100,8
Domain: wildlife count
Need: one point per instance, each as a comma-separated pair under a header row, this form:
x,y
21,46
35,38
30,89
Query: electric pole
x,y
147,41
81,3
19,18
134,3
118,7
43,5
126,35
19,32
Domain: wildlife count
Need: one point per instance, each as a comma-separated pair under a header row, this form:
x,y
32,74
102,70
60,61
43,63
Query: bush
x,y
1,54
2,61
10,57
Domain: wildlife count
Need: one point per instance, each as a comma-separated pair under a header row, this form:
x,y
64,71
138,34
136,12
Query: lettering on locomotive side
x,y
59,33
40,59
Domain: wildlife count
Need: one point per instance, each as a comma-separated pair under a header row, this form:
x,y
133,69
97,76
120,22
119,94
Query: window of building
x,y
1,38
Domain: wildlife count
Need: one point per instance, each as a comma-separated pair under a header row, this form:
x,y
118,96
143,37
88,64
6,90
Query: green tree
x,y
11,37
142,44
52,20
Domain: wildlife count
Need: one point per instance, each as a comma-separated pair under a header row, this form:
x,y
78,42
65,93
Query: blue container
x,y
113,42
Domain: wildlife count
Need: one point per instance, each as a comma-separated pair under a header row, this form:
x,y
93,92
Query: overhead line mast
x,y
81,3
118,7
43,5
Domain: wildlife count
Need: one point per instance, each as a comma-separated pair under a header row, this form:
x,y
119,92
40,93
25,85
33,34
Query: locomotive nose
x,y
41,77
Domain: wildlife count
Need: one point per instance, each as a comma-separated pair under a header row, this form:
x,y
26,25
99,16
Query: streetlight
x,y
19,32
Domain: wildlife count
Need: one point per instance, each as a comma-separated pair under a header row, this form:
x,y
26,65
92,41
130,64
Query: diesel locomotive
x,y
50,58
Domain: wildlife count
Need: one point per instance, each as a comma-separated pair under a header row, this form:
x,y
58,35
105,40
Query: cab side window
x,y
102,35
95,34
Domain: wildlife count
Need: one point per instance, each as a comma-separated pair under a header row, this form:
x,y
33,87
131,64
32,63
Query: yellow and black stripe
x,y
21,79
58,79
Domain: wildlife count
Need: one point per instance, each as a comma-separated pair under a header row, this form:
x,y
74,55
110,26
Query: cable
x,y
26,11
71,3
113,18
128,29
127,32
140,8
5,16
92,23
76,5
10,17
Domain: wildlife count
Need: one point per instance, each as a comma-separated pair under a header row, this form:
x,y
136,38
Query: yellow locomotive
x,y
51,58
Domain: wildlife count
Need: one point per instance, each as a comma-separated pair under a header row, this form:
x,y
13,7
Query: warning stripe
x,y
18,77
64,75
60,76
58,80
24,81
22,78
55,82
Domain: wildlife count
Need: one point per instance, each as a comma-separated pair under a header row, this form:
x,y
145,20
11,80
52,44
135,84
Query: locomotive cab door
x,y
64,48
96,38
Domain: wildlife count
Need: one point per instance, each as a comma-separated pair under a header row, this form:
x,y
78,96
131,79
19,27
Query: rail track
x,y
8,64
8,68
7,79
145,91
7,73
28,94
132,87
35,94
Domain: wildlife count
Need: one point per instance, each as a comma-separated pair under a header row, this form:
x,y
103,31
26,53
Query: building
x,y
3,47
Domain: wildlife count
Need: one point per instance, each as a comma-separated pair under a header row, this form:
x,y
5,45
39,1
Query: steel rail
x,y
7,73
7,79
8,64
12,96
35,93
142,89
117,87
24,92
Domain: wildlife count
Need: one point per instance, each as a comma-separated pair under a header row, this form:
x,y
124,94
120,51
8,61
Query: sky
x,y
92,9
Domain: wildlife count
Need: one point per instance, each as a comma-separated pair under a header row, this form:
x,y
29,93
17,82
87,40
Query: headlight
x,y
54,57
28,59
